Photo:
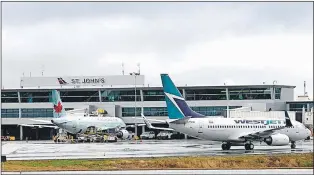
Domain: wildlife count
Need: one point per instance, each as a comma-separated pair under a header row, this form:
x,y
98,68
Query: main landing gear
x,y
226,146
248,146
293,145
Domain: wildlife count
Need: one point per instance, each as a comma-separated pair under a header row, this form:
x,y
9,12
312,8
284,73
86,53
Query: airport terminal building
x,y
120,95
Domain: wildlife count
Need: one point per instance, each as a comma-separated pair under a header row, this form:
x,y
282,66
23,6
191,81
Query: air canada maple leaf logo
x,y
58,108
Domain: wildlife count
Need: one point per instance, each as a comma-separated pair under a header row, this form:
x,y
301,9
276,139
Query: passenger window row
x,y
241,126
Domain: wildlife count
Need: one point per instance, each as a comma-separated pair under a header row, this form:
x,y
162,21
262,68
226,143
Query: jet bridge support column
x,y
185,136
136,130
143,129
21,132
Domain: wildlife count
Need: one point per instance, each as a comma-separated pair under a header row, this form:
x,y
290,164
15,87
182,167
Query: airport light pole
x,y
135,74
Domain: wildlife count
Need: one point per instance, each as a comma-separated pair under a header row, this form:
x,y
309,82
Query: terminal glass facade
x,y
79,96
120,95
155,95
35,97
249,93
37,113
9,113
130,112
9,97
297,106
162,111
156,111
277,93
205,94
213,110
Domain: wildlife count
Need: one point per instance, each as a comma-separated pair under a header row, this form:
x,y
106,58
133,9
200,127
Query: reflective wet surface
x,y
34,150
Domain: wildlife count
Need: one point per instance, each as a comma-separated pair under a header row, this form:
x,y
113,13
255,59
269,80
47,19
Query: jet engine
x,y
277,140
123,134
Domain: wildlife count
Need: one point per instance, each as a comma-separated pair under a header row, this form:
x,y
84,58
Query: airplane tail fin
x,y
288,121
176,104
58,109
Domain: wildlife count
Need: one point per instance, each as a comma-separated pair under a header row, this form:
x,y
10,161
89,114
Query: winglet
x,y
148,124
288,121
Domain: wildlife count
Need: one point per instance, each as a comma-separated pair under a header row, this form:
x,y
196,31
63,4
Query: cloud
x,y
200,43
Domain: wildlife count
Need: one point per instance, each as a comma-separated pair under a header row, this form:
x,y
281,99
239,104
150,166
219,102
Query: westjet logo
x,y
172,99
265,122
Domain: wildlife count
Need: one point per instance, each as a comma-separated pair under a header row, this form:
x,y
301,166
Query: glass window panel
x,y
9,99
249,93
126,95
9,94
205,94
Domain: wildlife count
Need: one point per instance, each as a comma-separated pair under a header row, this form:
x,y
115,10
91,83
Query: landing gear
x,y
293,145
249,146
226,146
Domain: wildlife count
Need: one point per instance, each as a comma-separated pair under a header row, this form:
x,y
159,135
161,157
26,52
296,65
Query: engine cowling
x,y
277,140
123,134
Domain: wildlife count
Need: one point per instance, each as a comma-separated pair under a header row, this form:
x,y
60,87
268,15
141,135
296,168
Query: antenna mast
x,y
305,88
42,70
139,68
122,68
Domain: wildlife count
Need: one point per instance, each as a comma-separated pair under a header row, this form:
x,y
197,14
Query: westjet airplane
x,y
231,131
76,124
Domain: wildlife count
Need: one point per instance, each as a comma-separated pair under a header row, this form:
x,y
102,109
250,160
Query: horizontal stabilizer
x,y
39,126
152,120
150,126
42,121
181,121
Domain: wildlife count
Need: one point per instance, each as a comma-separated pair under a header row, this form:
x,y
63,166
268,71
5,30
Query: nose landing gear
x,y
293,145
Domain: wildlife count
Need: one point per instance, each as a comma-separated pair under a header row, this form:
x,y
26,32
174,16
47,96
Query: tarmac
x,y
44,150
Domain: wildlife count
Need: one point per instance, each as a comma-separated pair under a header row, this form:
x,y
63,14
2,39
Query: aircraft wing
x,y
132,126
150,126
42,121
268,132
152,120
262,134
39,126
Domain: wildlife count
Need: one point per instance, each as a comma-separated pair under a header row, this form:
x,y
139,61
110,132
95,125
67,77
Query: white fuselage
x,y
230,129
79,124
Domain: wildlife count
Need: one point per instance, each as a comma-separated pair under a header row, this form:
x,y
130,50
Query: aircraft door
x,y
200,129
297,128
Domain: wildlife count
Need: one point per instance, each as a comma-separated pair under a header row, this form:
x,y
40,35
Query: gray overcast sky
x,y
196,43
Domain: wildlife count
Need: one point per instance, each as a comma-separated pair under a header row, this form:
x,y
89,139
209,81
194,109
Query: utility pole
x,y
135,74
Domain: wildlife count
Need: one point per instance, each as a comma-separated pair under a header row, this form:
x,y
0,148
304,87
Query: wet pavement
x,y
36,150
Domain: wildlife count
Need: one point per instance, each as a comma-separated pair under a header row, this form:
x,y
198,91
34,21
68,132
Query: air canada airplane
x,y
231,131
76,124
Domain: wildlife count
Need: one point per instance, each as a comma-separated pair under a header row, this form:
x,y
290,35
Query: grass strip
x,y
198,162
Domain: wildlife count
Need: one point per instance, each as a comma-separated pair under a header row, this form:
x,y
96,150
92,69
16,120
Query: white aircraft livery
x,y
76,124
231,131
